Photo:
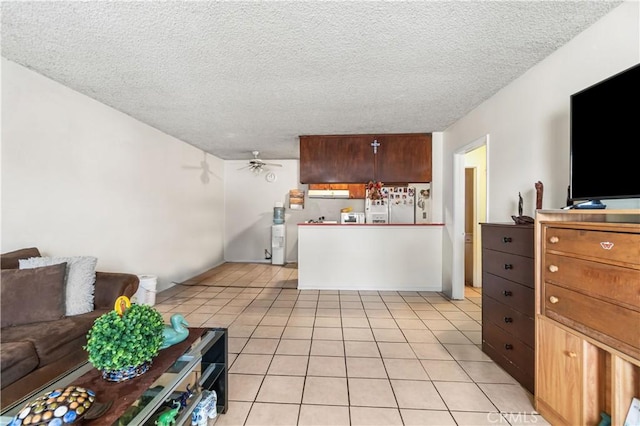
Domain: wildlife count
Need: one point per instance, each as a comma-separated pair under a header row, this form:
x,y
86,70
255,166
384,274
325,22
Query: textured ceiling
x,y
233,77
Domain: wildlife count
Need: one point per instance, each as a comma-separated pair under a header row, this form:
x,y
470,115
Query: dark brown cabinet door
x,y
336,159
400,158
404,158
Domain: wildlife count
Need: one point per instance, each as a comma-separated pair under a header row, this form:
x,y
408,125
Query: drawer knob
x,y
508,266
554,240
506,239
572,354
508,319
553,268
508,346
506,292
553,299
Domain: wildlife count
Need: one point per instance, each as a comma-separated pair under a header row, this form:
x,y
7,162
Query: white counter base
x,y
370,257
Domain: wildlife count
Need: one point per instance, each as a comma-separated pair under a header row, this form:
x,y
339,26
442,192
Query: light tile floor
x,y
309,357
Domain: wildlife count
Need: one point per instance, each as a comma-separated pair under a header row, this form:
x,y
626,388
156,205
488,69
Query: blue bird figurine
x,y
176,332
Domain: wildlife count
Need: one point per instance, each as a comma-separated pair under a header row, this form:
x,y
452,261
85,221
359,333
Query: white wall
x,y
528,121
249,205
80,178
437,170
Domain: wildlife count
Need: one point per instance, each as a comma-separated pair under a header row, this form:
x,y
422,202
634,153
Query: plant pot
x,y
127,373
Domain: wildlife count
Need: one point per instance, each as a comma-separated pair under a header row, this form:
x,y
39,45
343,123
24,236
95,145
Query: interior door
x,y
469,206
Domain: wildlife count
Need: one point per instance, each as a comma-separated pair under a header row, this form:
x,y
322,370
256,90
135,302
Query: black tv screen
x,y
605,135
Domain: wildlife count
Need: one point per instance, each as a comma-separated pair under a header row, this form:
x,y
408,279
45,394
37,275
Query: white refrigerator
x,y
402,203
376,211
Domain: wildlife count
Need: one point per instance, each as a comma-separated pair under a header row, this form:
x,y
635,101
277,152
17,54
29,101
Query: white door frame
x,y
457,272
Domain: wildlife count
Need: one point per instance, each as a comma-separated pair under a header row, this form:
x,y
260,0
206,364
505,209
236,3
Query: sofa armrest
x,y
11,260
111,285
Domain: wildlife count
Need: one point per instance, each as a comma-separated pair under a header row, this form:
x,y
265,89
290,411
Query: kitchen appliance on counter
x,y
351,217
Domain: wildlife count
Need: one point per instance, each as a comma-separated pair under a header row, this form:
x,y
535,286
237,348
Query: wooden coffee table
x,y
199,362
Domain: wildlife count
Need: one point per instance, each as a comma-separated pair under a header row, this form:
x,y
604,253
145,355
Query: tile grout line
x,y
344,299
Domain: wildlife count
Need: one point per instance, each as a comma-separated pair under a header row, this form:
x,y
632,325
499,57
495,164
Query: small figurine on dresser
x,y
524,220
539,191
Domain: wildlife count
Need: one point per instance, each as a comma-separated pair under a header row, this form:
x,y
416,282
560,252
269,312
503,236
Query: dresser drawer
x,y
612,283
511,321
604,321
510,266
516,239
511,354
516,296
608,246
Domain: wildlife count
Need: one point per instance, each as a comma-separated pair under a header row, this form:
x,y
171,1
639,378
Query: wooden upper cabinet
x,y
404,158
336,159
400,158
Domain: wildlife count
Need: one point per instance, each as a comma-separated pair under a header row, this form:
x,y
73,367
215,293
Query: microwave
x,y
349,218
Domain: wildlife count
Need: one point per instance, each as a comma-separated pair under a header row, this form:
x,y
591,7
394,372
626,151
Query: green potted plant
x,y
123,342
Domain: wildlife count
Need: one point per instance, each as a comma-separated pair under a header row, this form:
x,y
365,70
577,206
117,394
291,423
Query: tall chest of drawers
x,y
587,315
508,299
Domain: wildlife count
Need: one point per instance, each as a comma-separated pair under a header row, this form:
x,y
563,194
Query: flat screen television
x,y
605,135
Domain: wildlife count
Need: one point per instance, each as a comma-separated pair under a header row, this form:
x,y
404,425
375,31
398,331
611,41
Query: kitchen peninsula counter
x,y
400,257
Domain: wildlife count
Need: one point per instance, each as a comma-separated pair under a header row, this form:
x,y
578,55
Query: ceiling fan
x,y
256,165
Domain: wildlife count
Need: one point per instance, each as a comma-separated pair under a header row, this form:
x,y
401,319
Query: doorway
x,y
471,156
469,220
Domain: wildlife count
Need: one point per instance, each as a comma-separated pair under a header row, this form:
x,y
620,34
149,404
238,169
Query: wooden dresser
x,y
587,315
508,298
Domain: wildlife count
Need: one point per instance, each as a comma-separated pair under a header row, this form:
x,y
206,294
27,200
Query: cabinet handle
x,y
571,354
553,268
506,239
554,240
508,266
506,293
553,299
508,319
508,346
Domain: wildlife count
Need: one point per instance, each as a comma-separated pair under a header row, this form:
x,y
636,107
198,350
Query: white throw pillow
x,y
80,279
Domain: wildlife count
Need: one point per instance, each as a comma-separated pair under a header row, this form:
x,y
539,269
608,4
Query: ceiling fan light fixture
x,y
256,165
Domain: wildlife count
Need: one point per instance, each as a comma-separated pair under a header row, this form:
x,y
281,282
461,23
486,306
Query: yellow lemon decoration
x,y
122,304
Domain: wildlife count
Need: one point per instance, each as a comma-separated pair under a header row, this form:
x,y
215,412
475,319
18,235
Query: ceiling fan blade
x,y
273,164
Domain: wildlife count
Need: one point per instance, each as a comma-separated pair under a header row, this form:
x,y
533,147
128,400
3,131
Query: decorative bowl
x,y
62,406
127,373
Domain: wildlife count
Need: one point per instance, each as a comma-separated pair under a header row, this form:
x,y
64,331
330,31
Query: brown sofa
x,y
34,353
